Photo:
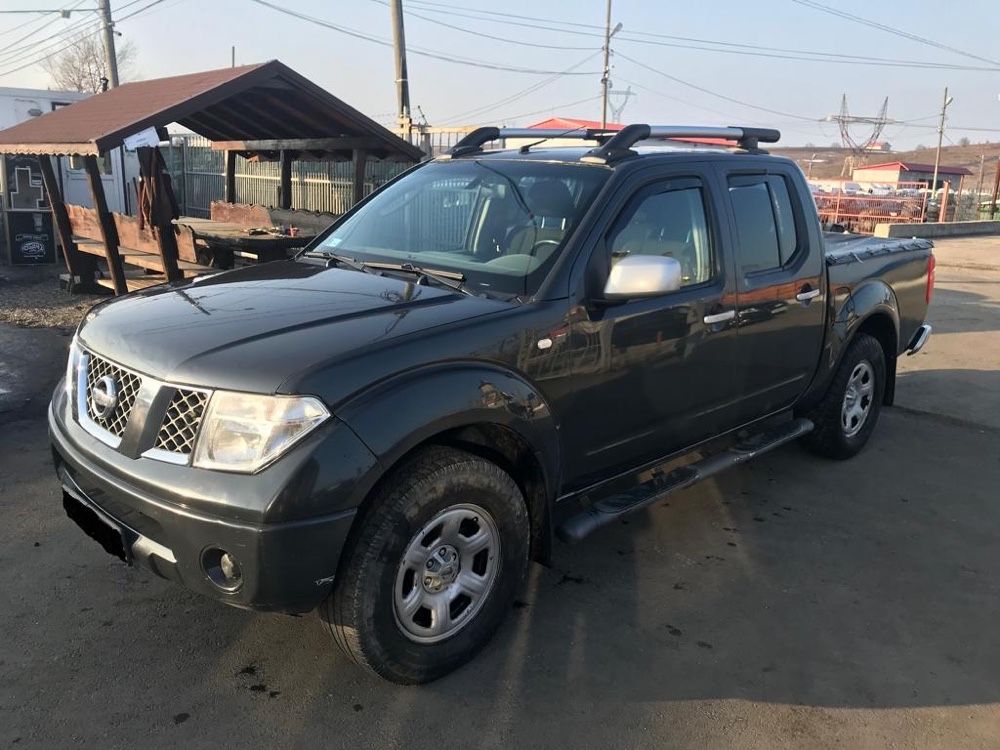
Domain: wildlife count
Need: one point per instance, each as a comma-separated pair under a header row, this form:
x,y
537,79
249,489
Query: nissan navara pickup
x,y
497,349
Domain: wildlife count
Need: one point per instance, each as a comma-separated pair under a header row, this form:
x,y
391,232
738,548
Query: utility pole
x,y
108,29
937,156
404,120
996,192
979,185
606,74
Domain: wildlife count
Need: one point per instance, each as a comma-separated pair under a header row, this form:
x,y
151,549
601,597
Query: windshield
x,y
501,224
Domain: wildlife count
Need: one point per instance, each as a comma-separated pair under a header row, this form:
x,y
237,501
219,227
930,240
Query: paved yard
x,y
791,603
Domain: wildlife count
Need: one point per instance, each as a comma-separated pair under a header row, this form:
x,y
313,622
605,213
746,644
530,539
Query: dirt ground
x,y
30,296
790,603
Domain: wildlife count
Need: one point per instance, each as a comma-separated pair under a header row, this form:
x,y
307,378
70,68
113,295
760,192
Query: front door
x,y
653,374
781,287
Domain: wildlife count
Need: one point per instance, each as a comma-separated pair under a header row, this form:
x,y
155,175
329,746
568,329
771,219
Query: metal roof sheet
x,y
251,102
912,166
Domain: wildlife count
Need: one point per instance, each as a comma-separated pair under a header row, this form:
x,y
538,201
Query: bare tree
x,y
80,67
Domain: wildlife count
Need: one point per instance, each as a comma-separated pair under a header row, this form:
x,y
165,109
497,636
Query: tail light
x,y
931,263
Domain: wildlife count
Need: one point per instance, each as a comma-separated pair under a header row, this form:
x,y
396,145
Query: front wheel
x,y
848,413
440,555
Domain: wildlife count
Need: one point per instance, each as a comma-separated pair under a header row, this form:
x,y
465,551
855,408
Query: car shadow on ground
x,y
869,583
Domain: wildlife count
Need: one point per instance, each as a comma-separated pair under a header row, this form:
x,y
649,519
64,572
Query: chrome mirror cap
x,y
643,276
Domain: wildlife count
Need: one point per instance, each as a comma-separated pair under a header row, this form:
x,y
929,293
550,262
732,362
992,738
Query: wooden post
x,y
161,212
285,194
109,234
230,194
78,264
360,161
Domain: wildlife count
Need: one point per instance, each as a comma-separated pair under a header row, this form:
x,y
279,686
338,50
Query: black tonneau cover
x,y
845,248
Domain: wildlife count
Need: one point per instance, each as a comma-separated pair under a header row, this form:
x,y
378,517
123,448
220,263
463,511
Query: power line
x,y
694,42
39,30
96,29
518,95
551,108
412,50
483,35
891,30
30,21
704,90
89,29
25,52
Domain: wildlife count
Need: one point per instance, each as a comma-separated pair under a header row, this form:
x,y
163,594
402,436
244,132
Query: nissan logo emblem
x,y
104,396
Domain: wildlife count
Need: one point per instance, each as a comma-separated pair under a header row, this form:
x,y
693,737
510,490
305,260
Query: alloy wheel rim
x,y
446,573
858,397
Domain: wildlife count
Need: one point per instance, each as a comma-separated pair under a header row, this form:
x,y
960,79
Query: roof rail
x,y
619,145
475,140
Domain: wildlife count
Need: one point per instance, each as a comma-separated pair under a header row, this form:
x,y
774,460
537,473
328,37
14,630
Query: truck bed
x,y
860,264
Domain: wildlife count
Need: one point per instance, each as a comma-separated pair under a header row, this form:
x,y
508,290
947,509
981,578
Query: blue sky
x,y
178,36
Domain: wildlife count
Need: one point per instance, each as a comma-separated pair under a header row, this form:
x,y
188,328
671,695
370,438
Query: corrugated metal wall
x,y
198,174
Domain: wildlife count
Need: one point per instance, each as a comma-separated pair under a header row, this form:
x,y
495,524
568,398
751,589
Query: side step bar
x,y
609,509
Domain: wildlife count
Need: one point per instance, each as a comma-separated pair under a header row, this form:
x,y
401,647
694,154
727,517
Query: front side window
x,y
671,223
502,224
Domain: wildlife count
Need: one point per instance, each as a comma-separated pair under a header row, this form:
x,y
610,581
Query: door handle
x,y
808,295
719,317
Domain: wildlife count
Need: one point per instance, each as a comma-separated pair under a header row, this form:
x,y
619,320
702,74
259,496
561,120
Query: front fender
x,y
398,414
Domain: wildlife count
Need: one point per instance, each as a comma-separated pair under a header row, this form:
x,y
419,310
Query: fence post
x,y
943,206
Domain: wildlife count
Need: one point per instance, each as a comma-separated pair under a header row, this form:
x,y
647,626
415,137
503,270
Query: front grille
x,y
180,425
127,386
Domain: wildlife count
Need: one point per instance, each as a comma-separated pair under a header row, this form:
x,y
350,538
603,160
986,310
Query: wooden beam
x,y
360,161
161,214
78,264
230,193
109,234
345,143
285,196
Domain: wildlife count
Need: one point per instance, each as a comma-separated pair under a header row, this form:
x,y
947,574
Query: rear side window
x,y
765,221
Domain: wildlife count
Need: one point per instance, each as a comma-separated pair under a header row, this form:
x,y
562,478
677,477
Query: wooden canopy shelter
x,y
264,111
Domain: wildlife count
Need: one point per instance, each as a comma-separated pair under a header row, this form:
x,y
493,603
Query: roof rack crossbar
x,y
475,140
620,144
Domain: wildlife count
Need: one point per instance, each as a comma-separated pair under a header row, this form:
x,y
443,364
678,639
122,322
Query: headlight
x,y
72,362
244,432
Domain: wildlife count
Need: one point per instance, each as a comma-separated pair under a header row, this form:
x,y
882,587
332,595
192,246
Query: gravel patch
x,y
33,298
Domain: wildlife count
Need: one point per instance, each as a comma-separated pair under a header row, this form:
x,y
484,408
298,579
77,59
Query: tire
x,y
841,430
463,500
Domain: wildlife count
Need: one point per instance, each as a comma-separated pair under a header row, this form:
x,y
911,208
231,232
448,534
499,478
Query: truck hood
x,y
252,328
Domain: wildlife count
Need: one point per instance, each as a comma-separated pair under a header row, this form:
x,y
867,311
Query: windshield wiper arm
x,y
451,279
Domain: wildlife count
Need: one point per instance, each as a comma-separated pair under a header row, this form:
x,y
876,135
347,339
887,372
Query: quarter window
x,y
670,223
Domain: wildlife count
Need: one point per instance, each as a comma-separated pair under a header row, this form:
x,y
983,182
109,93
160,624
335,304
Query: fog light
x,y
222,569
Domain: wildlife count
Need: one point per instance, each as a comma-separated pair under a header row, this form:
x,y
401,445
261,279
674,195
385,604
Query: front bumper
x,y
170,516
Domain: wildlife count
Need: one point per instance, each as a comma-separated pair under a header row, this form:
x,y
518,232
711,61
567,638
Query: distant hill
x,y
952,156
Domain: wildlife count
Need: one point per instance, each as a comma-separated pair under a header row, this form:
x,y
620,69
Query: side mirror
x,y
642,276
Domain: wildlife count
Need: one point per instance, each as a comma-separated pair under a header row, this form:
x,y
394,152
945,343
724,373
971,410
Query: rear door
x,y
780,287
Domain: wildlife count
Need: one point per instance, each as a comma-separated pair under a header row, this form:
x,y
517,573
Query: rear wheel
x,y
439,558
848,413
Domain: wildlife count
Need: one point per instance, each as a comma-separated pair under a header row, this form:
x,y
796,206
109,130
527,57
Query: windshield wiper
x,y
341,260
451,279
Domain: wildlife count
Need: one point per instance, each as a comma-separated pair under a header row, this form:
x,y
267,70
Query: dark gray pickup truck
x,y
495,350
